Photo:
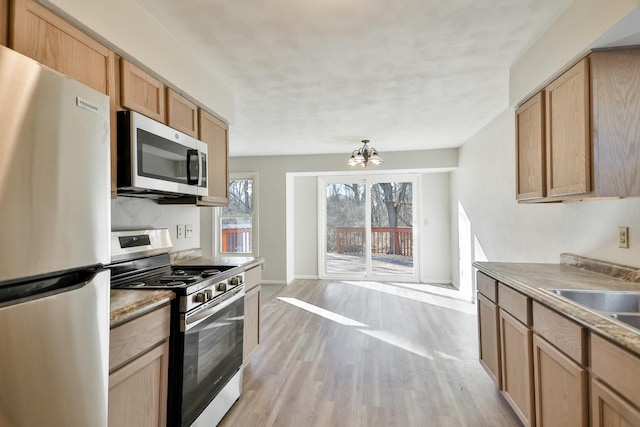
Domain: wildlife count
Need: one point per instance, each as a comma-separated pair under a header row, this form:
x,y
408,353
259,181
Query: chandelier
x,y
364,155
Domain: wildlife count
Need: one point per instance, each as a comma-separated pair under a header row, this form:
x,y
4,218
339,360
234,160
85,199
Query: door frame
x,y
369,179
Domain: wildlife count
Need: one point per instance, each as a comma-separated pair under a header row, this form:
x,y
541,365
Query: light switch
x,y
188,231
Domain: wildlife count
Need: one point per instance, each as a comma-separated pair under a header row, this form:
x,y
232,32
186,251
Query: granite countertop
x,y
535,280
127,304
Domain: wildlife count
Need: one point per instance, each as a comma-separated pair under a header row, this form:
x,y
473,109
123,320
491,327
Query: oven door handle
x,y
192,320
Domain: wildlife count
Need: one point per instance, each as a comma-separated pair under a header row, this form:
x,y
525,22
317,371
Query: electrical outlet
x,y
623,237
188,231
180,232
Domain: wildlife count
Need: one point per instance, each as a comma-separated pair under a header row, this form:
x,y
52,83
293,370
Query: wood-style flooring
x,y
341,353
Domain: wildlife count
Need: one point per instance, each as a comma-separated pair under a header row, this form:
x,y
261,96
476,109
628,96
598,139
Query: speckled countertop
x,y
243,262
535,280
127,304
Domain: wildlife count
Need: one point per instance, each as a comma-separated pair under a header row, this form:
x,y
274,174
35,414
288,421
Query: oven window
x,y
212,355
161,158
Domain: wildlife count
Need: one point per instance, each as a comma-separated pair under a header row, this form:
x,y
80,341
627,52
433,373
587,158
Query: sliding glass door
x,y
368,228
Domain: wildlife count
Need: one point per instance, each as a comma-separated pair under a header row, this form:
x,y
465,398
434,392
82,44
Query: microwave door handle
x,y
193,167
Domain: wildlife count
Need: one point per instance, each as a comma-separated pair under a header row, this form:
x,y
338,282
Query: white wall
x,y
272,175
305,211
484,184
128,213
435,250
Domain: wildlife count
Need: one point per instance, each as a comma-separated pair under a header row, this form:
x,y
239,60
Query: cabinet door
x,y
141,92
610,410
488,339
568,132
560,387
182,114
4,21
517,367
616,121
251,323
530,149
43,36
215,133
138,390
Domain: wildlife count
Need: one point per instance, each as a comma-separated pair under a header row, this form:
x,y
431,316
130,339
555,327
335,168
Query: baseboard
x,y
306,277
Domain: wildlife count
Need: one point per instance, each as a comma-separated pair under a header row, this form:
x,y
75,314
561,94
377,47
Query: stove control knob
x,y
201,297
235,281
208,294
222,286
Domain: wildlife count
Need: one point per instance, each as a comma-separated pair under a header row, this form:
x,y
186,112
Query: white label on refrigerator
x,y
87,105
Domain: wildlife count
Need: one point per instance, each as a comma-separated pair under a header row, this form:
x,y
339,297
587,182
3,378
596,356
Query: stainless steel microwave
x,y
156,161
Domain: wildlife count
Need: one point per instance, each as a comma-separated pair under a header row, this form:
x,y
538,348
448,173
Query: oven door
x,y
212,352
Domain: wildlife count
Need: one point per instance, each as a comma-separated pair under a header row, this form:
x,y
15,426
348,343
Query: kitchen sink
x,y
600,300
630,319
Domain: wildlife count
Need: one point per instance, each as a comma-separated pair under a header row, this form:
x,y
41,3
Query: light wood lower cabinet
x,y
251,338
138,371
489,339
561,393
615,390
517,381
608,409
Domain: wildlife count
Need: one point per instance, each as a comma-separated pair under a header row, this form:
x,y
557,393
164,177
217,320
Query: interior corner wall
x,y
305,227
483,186
435,228
576,31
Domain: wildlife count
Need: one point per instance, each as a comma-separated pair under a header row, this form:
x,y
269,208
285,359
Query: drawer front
x,y
487,286
252,278
563,333
616,367
137,336
515,303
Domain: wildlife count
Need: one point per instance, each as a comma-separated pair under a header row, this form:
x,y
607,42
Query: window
x,y
236,222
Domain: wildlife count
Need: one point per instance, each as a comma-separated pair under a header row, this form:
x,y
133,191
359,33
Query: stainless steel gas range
x,y
205,373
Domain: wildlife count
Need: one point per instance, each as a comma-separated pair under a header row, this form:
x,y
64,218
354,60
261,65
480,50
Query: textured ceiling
x,y
318,76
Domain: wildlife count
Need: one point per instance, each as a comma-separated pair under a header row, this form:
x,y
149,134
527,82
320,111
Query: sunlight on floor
x,y
322,312
436,300
384,336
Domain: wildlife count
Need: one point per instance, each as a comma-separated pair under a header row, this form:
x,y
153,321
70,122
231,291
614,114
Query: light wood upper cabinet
x,y
530,149
216,134
591,142
141,92
43,36
4,22
616,121
568,132
182,114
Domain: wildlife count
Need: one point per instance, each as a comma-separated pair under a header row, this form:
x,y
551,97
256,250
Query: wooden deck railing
x,y
236,240
384,240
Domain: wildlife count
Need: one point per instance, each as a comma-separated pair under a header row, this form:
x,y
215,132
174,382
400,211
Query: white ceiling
x,y
318,76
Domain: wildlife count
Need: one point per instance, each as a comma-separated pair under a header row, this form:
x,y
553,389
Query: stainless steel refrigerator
x,y
54,240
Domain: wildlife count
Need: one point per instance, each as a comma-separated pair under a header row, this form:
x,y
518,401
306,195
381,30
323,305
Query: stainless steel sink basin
x,y
630,319
608,301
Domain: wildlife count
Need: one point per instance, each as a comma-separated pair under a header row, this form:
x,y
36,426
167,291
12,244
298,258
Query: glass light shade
x,y
375,159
